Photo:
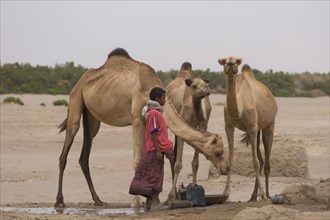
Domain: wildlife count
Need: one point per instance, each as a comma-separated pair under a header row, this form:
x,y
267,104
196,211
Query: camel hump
x,y
119,52
246,67
186,66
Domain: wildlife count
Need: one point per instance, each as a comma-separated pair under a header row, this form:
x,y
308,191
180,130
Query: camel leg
x,y
73,123
267,138
138,132
253,138
69,137
194,166
230,129
91,127
195,162
175,147
177,169
261,162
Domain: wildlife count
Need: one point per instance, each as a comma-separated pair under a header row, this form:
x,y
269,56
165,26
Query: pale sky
x,y
289,36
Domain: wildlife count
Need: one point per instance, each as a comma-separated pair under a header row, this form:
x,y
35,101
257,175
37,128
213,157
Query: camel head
x,y
199,87
214,152
230,64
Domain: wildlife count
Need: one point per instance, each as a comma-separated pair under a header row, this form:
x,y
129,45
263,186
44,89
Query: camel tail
x,y
246,139
62,126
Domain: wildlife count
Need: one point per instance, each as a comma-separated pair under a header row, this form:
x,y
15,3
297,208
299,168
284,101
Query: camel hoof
x,y
226,193
99,203
263,196
59,204
252,199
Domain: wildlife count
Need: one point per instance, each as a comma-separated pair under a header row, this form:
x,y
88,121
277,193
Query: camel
x,y
115,94
250,107
189,94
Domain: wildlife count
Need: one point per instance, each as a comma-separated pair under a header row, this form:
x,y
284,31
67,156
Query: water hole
x,y
74,211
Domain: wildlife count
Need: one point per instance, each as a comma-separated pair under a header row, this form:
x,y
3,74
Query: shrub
x,y
60,102
13,100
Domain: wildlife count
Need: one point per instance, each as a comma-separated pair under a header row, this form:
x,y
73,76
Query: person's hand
x,y
159,155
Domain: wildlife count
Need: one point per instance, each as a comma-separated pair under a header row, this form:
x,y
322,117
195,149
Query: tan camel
x,y
115,94
190,96
250,107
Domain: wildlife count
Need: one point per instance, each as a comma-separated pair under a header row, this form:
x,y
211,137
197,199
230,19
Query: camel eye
x,y
214,141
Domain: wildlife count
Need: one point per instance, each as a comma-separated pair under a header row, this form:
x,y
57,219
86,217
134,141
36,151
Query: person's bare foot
x,y
155,200
148,203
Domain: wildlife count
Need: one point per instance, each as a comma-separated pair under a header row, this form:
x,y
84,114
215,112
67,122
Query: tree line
x,y
20,78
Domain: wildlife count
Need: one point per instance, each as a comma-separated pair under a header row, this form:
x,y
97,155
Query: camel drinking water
x,y
102,95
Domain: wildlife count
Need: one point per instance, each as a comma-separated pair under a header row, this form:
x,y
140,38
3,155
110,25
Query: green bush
x,y
18,78
60,102
13,100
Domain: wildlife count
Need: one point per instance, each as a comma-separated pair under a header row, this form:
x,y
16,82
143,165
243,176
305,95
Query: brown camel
x,y
250,107
190,96
115,94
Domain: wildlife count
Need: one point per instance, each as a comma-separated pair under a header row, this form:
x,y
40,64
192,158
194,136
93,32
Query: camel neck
x,y
180,128
231,98
197,106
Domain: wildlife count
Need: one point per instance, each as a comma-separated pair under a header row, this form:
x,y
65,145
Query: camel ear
x,y
239,61
188,82
206,80
222,61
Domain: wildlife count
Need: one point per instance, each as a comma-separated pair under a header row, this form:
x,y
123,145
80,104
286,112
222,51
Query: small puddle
x,y
74,211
